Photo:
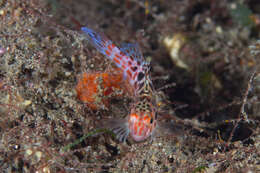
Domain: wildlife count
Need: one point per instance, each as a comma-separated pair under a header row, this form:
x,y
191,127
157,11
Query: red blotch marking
x,y
141,130
134,116
123,66
135,128
129,73
118,56
108,53
147,118
117,60
122,54
111,46
139,124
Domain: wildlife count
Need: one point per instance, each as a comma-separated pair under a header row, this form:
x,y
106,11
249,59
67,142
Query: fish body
x,y
140,123
128,58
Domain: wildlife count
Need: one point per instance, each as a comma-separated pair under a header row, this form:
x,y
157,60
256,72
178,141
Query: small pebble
x,y
2,12
28,152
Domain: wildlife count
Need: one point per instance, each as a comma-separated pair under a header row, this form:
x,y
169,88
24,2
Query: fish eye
x,y
151,121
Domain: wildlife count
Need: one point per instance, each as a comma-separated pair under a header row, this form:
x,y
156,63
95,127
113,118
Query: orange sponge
x,y
94,88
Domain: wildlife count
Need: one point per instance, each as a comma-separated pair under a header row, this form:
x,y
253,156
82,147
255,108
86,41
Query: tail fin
x,y
100,42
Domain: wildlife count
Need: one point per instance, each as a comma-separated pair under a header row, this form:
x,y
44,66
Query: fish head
x,y
141,124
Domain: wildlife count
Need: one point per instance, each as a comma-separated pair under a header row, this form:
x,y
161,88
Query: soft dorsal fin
x,y
132,50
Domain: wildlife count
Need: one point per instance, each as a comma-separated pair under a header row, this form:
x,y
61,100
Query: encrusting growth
x,y
94,88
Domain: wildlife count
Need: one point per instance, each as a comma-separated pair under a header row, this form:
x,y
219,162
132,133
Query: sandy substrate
x,y
197,45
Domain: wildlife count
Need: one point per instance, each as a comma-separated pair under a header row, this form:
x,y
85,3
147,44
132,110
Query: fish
x,y
141,121
128,58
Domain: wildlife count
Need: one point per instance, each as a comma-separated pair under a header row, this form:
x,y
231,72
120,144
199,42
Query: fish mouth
x,y
139,138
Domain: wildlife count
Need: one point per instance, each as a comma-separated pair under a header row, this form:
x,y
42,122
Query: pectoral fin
x,y
119,127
